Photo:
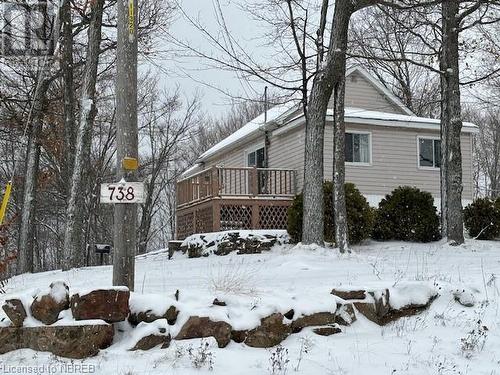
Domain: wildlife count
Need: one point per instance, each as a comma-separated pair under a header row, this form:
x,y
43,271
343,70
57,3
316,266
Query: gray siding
x,y
360,93
394,160
394,150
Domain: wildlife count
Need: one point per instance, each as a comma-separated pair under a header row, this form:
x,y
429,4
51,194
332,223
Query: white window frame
x,y
370,151
433,138
250,150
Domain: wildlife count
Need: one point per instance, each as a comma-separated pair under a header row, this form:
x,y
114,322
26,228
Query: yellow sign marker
x,y
131,20
130,164
5,201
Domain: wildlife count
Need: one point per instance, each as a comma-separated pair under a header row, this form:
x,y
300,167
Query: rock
x,y
47,307
66,341
227,242
368,310
110,305
150,341
289,314
345,315
15,310
148,316
10,339
271,332
316,319
199,327
216,302
327,331
173,246
379,309
375,308
349,294
171,315
464,297
239,336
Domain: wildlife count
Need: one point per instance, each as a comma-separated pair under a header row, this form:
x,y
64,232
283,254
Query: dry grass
x,y
234,277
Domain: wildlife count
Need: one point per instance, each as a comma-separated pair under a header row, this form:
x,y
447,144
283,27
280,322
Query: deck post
x,y
255,181
215,182
216,215
255,215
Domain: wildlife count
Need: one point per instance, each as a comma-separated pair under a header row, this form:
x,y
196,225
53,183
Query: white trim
x,y
370,149
431,125
380,88
433,138
251,149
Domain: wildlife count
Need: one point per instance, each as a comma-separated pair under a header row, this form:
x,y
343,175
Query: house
x,y
248,180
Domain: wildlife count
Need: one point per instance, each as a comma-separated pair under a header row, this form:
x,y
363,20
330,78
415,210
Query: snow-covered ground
x,y
446,339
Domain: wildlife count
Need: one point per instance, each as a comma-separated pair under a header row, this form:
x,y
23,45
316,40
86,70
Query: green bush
x,y
482,219
407,214
359,215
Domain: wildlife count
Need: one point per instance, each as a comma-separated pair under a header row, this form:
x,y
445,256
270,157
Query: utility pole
x,y
126,141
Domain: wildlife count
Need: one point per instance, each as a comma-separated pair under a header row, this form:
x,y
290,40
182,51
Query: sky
x,y
193,75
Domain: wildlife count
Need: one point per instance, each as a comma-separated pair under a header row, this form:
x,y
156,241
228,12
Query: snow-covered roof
x,y
273,114
363,116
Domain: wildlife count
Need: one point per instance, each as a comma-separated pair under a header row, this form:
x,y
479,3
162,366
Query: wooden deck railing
x,y
232,182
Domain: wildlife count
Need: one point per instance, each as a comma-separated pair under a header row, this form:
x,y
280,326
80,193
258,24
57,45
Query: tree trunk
x,y
73,244
68,95
27,226
451,123
339,203
125,224
330,73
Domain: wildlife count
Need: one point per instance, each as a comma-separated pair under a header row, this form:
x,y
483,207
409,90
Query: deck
x,y
224,198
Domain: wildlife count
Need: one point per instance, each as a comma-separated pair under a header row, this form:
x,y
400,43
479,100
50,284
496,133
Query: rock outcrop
x,y
271,332
199,327
110,305
66,341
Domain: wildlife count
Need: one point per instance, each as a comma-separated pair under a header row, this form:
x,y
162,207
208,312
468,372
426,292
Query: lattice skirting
x,y
228,215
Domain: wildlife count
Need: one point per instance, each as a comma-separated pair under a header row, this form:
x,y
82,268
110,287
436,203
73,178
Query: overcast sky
x,y
198,76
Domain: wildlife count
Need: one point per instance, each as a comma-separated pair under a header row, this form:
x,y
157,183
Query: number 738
x,y
119,194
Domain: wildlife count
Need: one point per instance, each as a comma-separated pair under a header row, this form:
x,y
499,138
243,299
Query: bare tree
x,y
165,133
73,244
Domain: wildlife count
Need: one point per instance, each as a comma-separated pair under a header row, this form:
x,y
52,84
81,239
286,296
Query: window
x,y
256,158
429,153
357,148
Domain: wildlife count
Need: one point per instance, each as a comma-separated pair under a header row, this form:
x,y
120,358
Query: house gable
x,y
366,92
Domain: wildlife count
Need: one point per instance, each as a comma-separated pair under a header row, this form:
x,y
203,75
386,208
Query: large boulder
x,y
149,316
110,305
316,319
199,327
15,310
271,332
46,307
66,341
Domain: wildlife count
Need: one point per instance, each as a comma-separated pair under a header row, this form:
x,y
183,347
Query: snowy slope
x,y
436,342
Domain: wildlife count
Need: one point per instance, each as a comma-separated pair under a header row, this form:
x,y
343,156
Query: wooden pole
x,y
125,224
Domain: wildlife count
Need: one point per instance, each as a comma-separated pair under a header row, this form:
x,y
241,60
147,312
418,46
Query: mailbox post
x,y
102,249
